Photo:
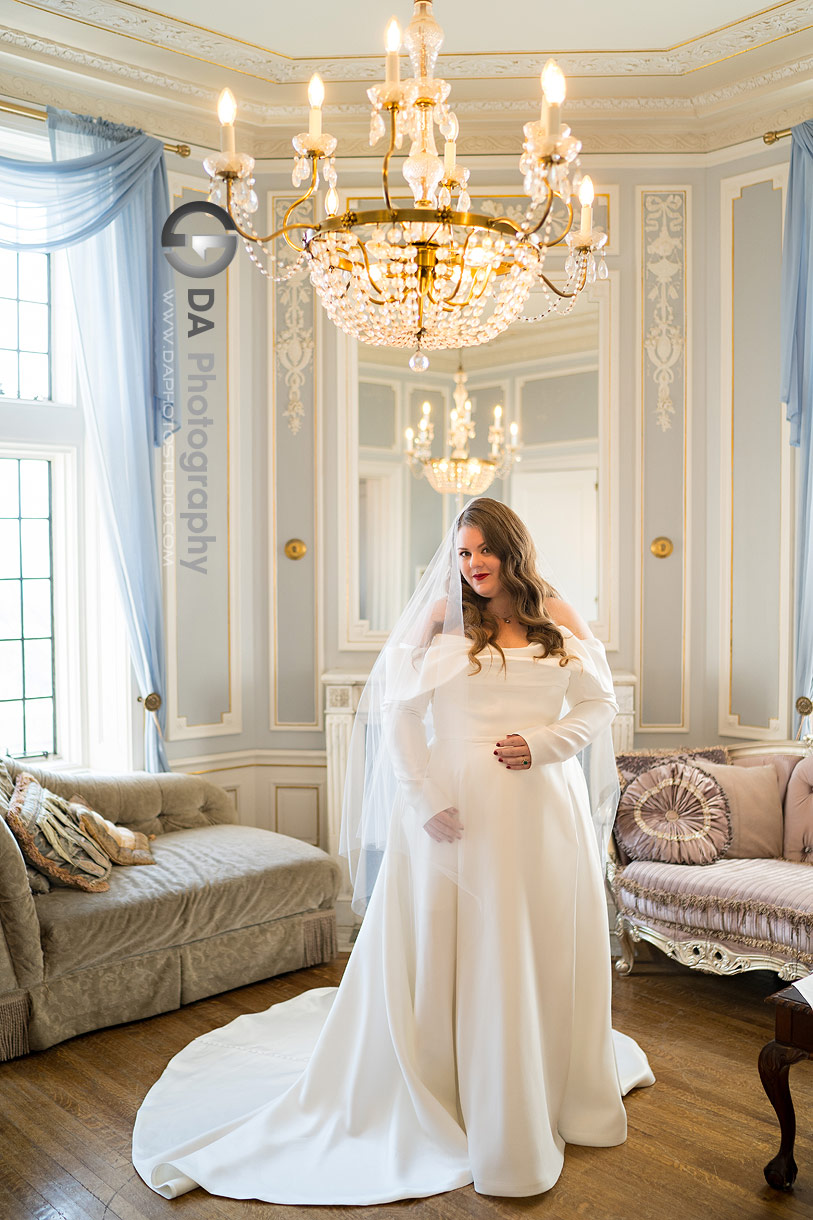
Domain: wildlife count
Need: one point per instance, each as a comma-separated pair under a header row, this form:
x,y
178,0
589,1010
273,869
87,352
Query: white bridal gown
x,y
470,1038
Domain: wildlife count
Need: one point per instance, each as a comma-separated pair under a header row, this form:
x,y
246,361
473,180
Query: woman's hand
x,y
445,826
514,752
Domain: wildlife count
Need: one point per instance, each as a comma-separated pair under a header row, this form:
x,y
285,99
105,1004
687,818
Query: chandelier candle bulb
x,y
450,148
436,274
393,47
586,197
410,436
316,95
553,94
331,201
226,113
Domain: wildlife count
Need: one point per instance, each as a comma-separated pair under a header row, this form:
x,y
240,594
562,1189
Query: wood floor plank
x,y
696,1143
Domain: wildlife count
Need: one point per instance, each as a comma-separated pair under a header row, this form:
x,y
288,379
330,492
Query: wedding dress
x,y
471,1037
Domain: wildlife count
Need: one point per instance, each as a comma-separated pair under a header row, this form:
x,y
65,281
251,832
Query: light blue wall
x,y
296,464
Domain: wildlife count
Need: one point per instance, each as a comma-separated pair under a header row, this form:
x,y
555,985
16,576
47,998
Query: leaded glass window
x,y
25,325
27,707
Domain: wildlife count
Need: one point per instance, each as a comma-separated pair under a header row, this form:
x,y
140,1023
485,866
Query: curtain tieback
x,y
152,702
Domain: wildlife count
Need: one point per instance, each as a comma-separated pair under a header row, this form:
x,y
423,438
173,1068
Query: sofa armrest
x,y
798,843
21,951
151,803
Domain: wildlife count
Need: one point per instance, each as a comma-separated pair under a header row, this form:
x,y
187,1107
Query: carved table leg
x,y
775,1060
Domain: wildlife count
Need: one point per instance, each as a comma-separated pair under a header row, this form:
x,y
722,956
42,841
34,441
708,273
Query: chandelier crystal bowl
x,y
435,274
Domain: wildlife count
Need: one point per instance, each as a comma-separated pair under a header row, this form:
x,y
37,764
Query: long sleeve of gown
x,y
406,740
592,706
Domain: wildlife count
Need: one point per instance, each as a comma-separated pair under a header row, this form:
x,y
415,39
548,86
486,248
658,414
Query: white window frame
x,y
65,586
93,682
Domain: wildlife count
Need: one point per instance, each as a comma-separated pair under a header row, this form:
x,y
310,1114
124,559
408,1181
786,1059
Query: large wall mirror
x,y
555,378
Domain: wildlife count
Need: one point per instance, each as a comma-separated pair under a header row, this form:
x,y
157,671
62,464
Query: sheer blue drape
x,y
104,198
797,379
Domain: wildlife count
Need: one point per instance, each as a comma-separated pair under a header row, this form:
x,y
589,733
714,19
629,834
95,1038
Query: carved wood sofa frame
x,y
707,953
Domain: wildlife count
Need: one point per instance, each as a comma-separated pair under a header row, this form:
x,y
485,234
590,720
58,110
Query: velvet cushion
x,y
122,845
46,828
757,828
674,813
636,762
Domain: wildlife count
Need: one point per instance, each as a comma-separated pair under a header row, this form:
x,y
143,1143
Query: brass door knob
x,y
661,547
295,548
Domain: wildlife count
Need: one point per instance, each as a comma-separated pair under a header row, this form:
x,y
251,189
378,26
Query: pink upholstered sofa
x,y
734,914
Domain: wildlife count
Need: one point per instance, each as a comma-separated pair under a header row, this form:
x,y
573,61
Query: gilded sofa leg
x,y
627,959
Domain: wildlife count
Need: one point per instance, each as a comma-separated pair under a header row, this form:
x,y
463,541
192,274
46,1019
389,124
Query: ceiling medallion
x,y
433,275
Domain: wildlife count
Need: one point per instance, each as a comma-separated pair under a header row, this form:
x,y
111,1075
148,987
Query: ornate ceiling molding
x,y
599,137
188,40
104,64
632,105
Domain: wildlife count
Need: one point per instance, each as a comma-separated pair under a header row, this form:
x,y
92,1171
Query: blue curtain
x,y
797,379
104,197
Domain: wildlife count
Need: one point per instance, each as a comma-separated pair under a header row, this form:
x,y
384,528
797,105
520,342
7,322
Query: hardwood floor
x,y
696,1147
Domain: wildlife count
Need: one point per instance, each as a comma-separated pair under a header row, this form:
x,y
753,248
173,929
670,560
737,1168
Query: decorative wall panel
x,y
293,492
281,790
756,508
198,501
663,217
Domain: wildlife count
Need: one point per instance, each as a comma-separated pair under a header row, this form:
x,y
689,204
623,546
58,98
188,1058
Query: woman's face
x,y
479,565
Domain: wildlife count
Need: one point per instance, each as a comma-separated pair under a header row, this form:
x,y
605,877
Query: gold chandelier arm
x,y
486,282
548,206
296,203
389,300
285,228
385,170
567,227
545,213
567,296
450,299
450,304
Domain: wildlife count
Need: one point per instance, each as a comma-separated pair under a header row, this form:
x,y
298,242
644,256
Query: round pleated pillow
x,y
674,813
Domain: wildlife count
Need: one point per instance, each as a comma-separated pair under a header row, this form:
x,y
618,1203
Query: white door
x,y
560,508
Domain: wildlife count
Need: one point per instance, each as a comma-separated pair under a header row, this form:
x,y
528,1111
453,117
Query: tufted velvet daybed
x,y
747,910
224,905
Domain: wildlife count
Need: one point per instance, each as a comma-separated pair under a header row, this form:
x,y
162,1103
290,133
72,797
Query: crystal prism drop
x,y
377,129
419,362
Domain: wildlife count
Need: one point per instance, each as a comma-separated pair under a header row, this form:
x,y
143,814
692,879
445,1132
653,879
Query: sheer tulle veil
x,y
383,804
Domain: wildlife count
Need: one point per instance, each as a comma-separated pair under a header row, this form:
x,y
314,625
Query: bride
x,y
471,1037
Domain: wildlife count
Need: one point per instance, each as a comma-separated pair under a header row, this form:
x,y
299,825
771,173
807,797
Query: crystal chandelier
x,y
434,274
457,473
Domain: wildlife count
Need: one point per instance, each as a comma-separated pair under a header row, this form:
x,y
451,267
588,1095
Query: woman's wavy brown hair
x,y
508,538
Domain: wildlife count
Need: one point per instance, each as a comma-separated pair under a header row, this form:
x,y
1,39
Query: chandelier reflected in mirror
x,y
435,274
457,472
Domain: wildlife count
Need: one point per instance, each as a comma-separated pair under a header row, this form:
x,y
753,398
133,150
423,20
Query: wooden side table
x,y
793,1040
